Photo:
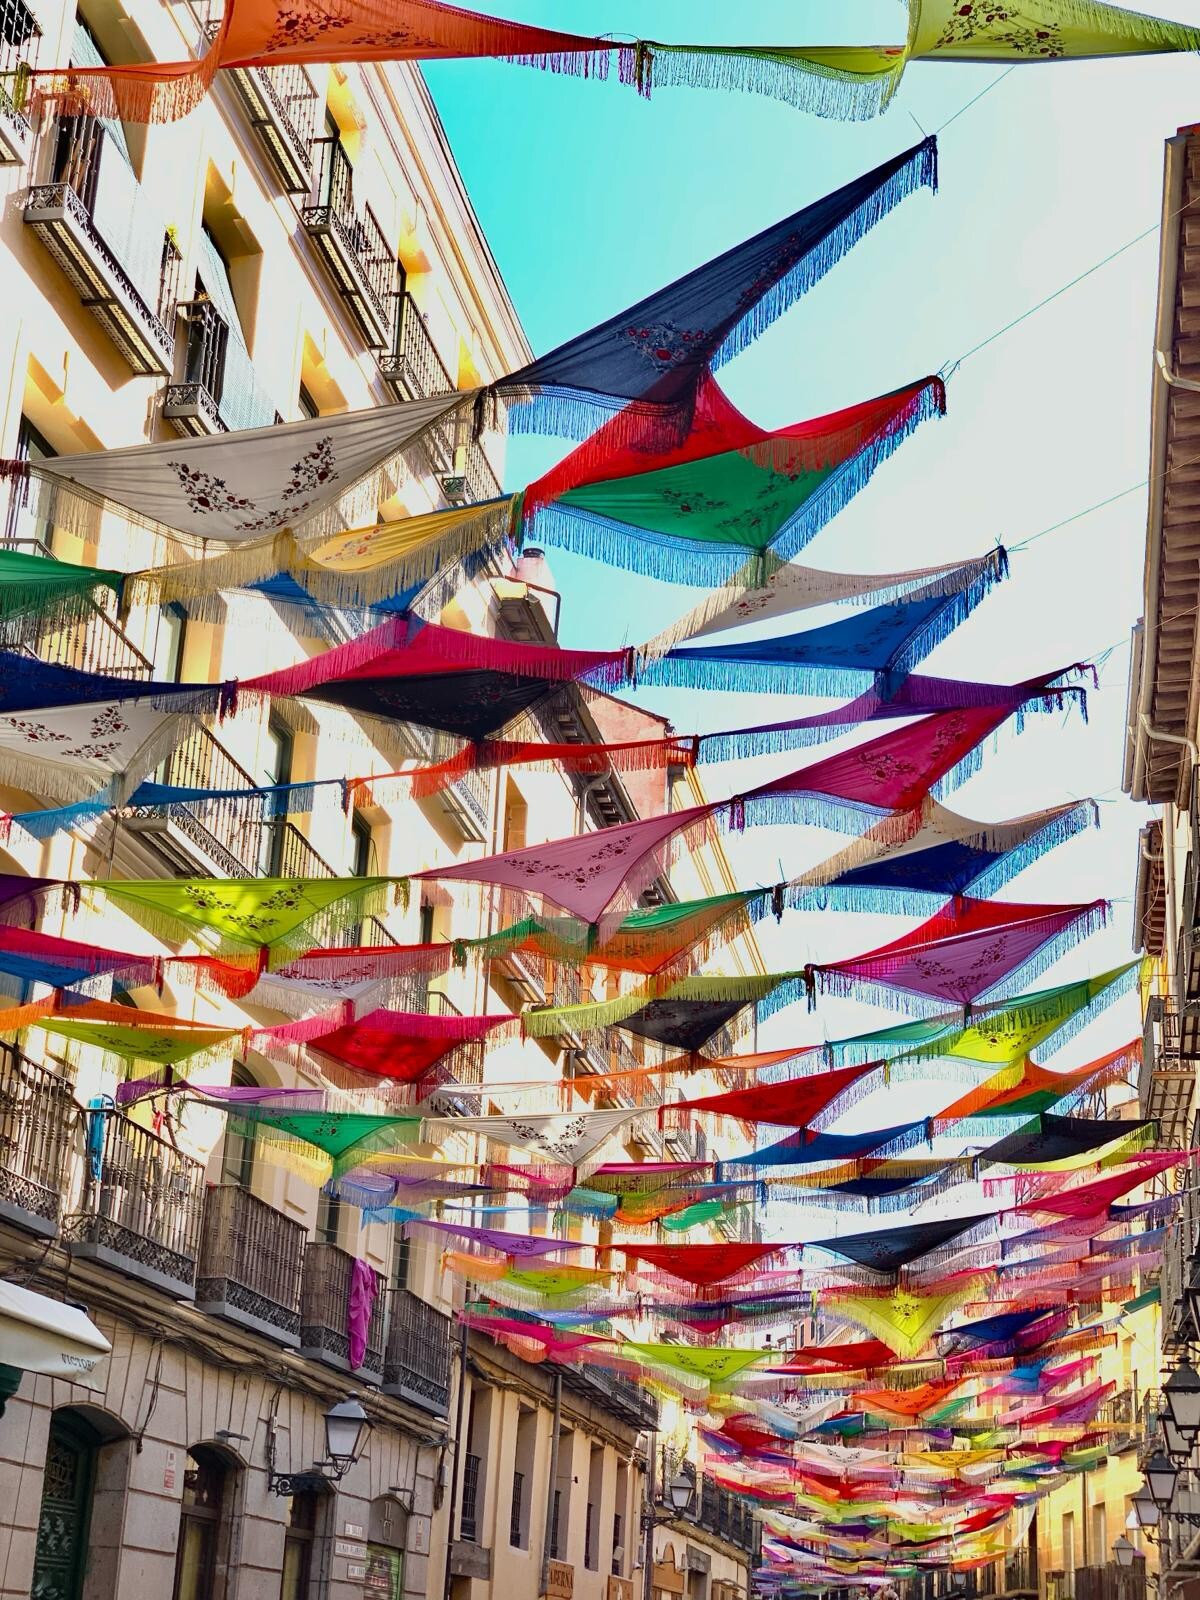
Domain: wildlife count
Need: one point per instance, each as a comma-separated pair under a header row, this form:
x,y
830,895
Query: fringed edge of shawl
x,y
901,586
200,583
805,85
879,990
920,171
1133,25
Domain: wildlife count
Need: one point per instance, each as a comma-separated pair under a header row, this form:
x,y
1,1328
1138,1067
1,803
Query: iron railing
x,y
468,1522
37,1120
20,43
224,829
1111,1582
482,482
97,643
324,1304
621,1394
107,232
417,1360
1121,1418
251,1259
356,248
725,1514
143,1204
516,1532
414,363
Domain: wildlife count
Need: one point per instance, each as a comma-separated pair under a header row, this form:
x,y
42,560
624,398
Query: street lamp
x,y
1125,1551
680,1490
1161,1477
1182,1394
1179,1446
346,1428
1145,1508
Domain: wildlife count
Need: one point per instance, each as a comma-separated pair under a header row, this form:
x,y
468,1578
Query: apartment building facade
x,y
301,245
1161,768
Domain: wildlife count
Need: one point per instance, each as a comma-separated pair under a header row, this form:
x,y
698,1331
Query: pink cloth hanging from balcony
x,y
360,1302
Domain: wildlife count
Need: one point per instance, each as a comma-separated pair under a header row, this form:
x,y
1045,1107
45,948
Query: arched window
x,y
201,1524
388,1536
237,1152
66,1511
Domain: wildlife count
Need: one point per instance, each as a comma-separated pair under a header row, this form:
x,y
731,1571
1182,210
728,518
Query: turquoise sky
x,y
592,197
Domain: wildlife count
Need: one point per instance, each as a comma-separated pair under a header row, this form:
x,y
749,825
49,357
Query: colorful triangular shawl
x,y
730,492
652,357
859,81
963,951
904,1321
318,476
567,1138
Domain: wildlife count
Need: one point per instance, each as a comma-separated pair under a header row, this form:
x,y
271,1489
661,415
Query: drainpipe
x,y
648,1520
447,1578
556,1428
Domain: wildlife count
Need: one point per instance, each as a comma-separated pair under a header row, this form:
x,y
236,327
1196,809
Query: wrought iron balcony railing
x,y
634,1406
1020,1573
20,44
38,1117
109,239
1121,1419
417,1361
413,367
283,108
219,390
251,1261
224,832
142,1209
352,244
1111,1582
324,1302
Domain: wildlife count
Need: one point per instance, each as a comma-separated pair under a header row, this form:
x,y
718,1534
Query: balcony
x,y
37,1135
324,1299
481,480
1170,1053
101,228
97,644
1179,1273
466,802
283,108
414,369
20,41
1111,1582
251,1261
615,1394
1020,1573
219,390
727,1515
224,838
142,1208
357,256
1121,1420
417,1360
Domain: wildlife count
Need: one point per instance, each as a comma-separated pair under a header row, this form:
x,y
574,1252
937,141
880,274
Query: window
x,y
308,406
589,1537
20,527
169,645
425,925
200,1526
237,1150
298,1547
363,845
515,1536
401,1258
329,1218
591,1527
618,1549
276,769
555,1551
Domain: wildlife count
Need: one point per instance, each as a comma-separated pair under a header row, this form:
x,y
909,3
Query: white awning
x,y
39,1334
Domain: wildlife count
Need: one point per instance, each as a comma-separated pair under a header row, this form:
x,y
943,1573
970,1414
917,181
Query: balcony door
x,y
63,1521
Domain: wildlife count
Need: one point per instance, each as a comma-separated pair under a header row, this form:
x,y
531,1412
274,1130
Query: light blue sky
x,y
592,197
